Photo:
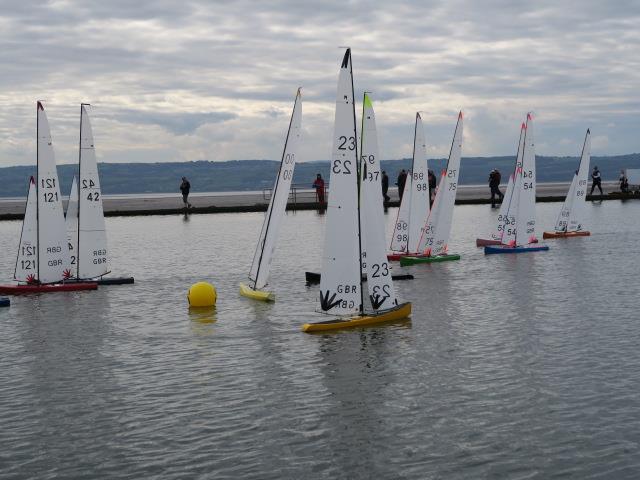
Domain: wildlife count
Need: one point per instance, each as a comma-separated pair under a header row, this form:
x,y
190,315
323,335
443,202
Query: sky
x,y
202,80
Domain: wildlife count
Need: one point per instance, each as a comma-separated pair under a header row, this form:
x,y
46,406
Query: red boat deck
x,y
58,287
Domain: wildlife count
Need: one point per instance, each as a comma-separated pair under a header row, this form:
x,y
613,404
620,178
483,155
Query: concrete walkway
x,y
164,204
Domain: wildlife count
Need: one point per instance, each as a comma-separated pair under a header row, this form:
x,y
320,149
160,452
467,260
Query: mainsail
x,y
27,260
374,258
263,255
71,221
435,238
53,251
91,259
340,287
419,188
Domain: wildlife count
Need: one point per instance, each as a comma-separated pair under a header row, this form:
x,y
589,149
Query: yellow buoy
x,y
202,294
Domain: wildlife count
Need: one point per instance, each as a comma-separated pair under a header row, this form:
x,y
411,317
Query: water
x,y
523,366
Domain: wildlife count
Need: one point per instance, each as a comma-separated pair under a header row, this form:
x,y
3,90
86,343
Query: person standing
x,y
319,186
624,182
494,184
402,180
385,186
596,179
185,186
432,186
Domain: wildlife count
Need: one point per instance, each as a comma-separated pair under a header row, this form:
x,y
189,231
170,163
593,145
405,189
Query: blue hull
x,y
4,302
488,250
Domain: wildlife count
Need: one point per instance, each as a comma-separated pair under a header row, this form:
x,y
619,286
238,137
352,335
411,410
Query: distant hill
x,y
239,175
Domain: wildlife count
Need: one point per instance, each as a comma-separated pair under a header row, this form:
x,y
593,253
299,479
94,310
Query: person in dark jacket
x,y
402,180
596,179
185,186
319,186
494,184
385,186
624,182
432,186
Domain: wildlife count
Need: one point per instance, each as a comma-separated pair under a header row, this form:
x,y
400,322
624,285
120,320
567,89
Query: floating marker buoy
x,y
202,294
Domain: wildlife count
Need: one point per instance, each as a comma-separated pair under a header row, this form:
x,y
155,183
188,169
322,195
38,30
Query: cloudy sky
x,y
188,80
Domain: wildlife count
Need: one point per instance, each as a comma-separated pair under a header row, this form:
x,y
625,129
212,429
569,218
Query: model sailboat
x,y
519,231
43,263
570,221
414,207
435,236
259,273
496,235
91,252
354,236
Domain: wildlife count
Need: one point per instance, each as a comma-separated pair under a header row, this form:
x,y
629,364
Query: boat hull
x,y
488,250
400,312
565,234
405,261
107,281
261,295
4,302
483,242
314,277
57,287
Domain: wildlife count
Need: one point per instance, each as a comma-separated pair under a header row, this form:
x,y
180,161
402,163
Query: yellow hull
x,y
397,313
261,295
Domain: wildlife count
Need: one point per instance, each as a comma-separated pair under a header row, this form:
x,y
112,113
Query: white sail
x,y
400,236
437,229
27,261
419,188
576,218
374,258
71,221
92,236
263,255
506,215
340,288
526,182
562,223
53,251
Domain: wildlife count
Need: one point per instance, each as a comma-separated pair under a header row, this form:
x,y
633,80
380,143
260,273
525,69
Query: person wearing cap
x,y
185,186
596,180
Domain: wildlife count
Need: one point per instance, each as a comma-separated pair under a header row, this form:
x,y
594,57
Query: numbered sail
x,y
579,194
400,236
526,182
53,251
506,216
562,223
340,289
437,229
261,265
27,261
92,237
419,188
374,258
71,221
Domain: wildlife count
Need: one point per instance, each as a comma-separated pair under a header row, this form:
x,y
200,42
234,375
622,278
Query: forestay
x,y
571,218
374,258
438,226
71,221
419,188
340,288
526,181
27,260
53,251
263,255
92,236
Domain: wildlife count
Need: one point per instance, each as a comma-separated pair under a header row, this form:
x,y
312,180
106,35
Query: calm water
x,y
524,366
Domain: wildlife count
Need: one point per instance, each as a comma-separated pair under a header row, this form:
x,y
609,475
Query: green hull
x,y
404,261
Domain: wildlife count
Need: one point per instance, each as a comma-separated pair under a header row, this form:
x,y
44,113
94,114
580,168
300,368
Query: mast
x,y
355,135
38,107
275,190
79,189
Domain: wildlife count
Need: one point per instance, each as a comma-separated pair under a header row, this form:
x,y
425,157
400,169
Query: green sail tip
x,y
367,101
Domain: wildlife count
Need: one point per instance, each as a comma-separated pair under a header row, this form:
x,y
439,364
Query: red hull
x,y
565,234
483,242
62,287
395,257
